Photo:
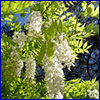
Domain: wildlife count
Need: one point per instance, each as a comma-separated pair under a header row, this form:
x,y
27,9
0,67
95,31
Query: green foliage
x,y
23,89
7,6
77,88
10,8
89,10
15,88
50,32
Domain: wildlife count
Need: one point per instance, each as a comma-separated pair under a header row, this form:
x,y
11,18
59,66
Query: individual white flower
x,y
35,23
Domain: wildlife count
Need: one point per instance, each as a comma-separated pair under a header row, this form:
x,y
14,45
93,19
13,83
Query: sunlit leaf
x,y
63,17
69,13
71,2
2,20
84,4
89,46
96,29
15,18
11,16
80,43
85,44
8,19
81,50
50,49
90,8
42,53
86,51
89,27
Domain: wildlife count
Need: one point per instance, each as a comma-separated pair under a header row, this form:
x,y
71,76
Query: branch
x,y
48,7
73,34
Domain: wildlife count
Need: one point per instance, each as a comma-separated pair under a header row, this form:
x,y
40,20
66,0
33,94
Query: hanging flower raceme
x,y
30,67
54,77
35,23
63,51
53,68
19,38
15,59
16,62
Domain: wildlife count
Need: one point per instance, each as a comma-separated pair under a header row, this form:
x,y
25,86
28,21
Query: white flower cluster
x,y
19,38
35,23
15,59
53,68
54,77
63,51
93,94
16,62
30,67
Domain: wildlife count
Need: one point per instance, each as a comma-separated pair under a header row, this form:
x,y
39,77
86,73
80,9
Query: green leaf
x,y
23,14
14,4
11,16
93,80
85,44
71,2
89,27
50,32
20,91
19,80
96,29
67,3
5,6
76,57
11,89
77,51
60,26
2,20
85,50
76,44
96,13
15,18
63,17
69,13
90,8
42,53
50,49
81,50
80,44
84,4
8,19
89,46
84,14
